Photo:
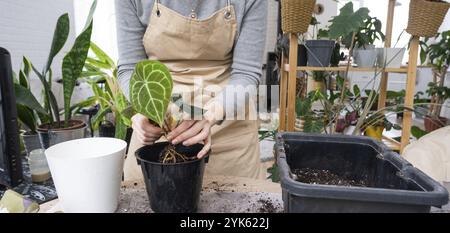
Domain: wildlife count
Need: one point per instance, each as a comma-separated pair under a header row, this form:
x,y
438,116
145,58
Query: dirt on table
x,y
325,177
267,206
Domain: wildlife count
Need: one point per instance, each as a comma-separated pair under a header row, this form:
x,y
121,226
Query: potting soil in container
x,y
318,176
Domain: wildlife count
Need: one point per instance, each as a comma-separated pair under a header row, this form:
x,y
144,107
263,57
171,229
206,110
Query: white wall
x,y
104,28
26,29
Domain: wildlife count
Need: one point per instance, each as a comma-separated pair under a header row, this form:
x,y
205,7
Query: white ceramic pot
x,y
87,173
390,57
365,58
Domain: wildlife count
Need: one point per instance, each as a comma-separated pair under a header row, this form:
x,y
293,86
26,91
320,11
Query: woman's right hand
x,y
146,133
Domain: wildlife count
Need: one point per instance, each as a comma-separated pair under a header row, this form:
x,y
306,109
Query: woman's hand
x,y
191,132
146,133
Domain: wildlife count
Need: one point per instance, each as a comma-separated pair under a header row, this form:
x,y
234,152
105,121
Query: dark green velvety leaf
x,y
150,90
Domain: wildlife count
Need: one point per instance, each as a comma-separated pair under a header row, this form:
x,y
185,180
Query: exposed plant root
x,y
170,155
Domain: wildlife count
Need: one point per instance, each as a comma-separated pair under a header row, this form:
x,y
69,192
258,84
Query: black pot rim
x,y
138,157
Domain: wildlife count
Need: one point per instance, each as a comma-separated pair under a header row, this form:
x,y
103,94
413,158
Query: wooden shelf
x,y
351,69
288,82
391,143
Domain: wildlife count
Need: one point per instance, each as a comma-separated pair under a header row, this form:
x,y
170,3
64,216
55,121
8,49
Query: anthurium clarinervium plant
x,y
151,88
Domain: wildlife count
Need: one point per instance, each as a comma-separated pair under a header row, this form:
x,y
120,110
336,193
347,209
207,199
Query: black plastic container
x,y
320,52
172,188
302,57
107,129
394,185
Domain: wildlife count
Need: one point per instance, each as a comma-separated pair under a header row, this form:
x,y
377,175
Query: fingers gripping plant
x,y
150,93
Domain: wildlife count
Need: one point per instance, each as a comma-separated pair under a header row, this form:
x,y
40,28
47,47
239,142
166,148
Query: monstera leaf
x,y
150,90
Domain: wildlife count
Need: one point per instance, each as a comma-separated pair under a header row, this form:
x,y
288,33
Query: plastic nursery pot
x,y
390,57
302,58
107,129
431,124
52,135
319,52
365,58
172,188
375,132
31,141
87,173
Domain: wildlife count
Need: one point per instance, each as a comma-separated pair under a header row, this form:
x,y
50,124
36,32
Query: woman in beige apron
x,y
202,49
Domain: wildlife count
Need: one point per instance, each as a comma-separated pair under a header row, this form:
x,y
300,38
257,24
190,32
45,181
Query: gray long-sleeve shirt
x,y
133,16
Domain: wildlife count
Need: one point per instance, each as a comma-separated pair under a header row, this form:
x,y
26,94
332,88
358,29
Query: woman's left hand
x,y
191,132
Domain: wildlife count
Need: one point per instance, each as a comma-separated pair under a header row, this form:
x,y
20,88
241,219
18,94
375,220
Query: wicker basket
x,y
296,15
426,17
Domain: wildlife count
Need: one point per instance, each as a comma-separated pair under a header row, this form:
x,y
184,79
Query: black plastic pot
x,y
302,58
319,52
107,129
172,188
128,138
394,185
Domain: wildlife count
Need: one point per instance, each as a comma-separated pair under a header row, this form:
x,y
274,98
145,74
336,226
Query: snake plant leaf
x,y
150,90
23,79
26,117
26,98
59,38
72,67
348,21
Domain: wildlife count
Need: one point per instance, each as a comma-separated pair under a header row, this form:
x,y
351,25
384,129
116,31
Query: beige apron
x,y
202,49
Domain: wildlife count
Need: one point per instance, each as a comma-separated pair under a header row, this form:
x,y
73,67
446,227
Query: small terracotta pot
x,y
432,124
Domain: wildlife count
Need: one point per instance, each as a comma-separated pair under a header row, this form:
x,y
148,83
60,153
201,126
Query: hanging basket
x,y
426,17
296,15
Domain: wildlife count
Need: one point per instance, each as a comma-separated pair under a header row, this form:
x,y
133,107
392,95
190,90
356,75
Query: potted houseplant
x,y
100,71
173,174
317,81
320,51
375,124
302,111
438,56
394,98
365,54
426,16
56,130
438,94
29,110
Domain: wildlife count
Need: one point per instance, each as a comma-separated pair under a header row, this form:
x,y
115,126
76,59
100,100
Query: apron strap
x,y
228,12
158,12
